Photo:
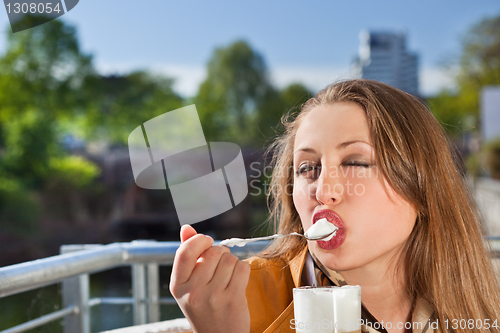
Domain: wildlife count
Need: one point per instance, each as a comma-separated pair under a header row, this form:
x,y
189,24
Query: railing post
x,y
75,292
153,293
139,293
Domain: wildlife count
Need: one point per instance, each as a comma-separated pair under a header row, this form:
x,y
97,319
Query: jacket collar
x,y
296,267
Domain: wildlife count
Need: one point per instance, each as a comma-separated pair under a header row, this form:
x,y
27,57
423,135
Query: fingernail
x,y
185,226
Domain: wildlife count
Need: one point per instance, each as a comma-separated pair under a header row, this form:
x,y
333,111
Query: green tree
x,y
41,76
43,67
275,105
228,100
479,65
18,210
30,142
451,112
480,61
118,104
294,95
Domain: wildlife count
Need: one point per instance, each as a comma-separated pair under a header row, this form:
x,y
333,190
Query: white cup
x,y
313,309
347,309
327,309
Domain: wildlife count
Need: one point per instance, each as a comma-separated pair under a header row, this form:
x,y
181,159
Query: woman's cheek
x,y
357,186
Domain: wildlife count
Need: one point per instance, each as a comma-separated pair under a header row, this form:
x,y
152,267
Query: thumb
x,y
187,232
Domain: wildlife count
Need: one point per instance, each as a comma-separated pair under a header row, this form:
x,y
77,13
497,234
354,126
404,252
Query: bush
x,y
18,210
73,170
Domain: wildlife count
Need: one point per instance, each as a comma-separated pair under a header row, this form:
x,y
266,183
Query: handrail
x,y
42,320
39,273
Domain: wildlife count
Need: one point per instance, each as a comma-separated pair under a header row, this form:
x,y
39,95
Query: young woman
x,y
373,161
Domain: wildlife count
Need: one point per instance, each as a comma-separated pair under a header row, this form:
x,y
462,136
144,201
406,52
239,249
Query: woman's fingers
x,y
240,277
224,271
186,258
187,232
207,264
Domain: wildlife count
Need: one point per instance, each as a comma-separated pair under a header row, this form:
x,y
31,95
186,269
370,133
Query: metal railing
x,y
73,268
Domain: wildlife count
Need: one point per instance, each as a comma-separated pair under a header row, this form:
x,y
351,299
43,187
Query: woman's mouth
x,y
335,219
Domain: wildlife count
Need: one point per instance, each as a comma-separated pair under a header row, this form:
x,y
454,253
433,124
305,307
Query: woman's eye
x,y
357,164
308,170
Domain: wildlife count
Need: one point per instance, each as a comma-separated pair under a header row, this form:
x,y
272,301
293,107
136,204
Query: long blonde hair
x,y
445,259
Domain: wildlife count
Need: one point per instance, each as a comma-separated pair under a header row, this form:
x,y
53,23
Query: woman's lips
x,y
330,215
335,219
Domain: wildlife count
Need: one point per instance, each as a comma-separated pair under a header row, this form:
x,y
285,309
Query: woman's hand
x,y
209,285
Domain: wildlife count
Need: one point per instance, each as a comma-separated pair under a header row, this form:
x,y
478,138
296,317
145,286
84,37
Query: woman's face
x,y
336,178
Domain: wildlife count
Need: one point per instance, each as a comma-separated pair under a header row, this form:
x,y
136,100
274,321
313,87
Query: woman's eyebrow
x,y
344,145
305,150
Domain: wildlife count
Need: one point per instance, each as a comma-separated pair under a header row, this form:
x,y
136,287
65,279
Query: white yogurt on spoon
x,y
240,242
320,228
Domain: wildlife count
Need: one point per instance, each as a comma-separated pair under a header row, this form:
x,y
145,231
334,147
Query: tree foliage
x,y
44,68
237,101
479,66
236,85
30,142
275,105
118,104
49,88
41,76
480,60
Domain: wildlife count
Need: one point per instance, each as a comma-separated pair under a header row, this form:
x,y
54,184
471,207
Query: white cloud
x,y
434,79
187,77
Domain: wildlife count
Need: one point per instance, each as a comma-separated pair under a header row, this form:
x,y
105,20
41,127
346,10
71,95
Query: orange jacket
x,y
270,293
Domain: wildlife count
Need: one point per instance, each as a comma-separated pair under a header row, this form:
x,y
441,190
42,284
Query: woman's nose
x,y
329,188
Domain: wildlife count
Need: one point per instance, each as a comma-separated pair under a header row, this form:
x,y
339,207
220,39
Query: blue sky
x,y
313,42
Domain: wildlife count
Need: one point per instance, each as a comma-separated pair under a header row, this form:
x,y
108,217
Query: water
x,y
20,308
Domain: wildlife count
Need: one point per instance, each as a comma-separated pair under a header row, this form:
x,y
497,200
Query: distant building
x,y
490,112
383,57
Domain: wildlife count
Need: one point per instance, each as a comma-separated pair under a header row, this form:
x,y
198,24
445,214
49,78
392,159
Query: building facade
x,y
383,57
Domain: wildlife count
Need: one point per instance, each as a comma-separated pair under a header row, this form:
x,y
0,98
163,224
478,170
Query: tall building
x,y
383,57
